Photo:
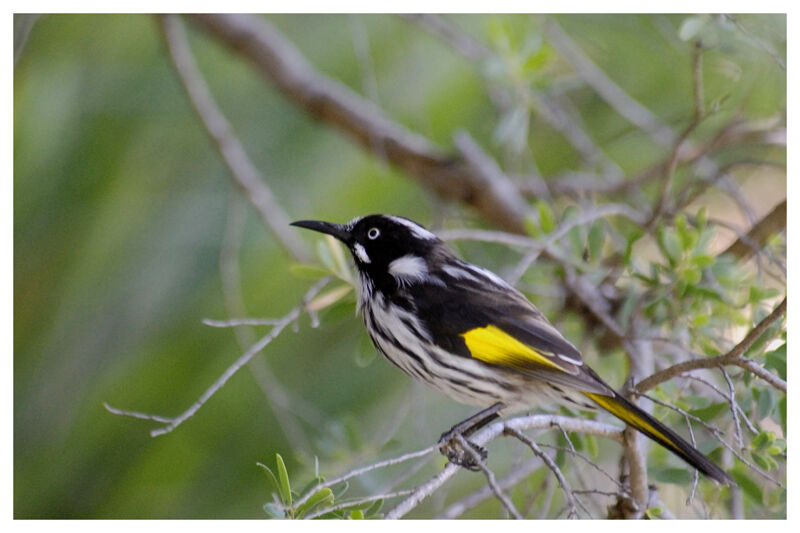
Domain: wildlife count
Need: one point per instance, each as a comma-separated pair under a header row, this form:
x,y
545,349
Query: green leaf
x,y
748,486
358,514
591,445
271,476
703,260
374,509
531,228
701,218
669,245
765,402
782,411
283,477
547,220
596,240
710,412
762,440
634,236
322,496
691,276
776,360
653,513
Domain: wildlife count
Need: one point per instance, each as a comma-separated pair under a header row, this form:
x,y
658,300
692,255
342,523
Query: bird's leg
x,y
450,446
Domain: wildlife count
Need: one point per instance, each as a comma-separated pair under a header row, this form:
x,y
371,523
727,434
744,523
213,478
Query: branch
x,y
494,430
243,171
573,511
747,245
733,357
490,477
173,422
625,105
697,117
329,101
517,475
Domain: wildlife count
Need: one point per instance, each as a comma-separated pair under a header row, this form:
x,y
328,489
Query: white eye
x,y
373,233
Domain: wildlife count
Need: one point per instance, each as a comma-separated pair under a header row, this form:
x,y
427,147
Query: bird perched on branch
x,y
466,332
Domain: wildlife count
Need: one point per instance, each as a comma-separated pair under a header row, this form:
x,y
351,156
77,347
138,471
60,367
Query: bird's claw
x,y
453,448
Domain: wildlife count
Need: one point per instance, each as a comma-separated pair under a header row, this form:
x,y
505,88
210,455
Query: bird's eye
x,y
373,233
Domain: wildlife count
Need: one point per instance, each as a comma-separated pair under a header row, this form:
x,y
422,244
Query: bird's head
x,y
390,251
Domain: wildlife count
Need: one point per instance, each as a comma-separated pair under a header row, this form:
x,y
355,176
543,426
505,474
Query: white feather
x,y
415,228
408,269
361,253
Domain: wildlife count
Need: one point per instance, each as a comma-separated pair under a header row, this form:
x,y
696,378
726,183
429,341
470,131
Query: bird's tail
x,y
639,419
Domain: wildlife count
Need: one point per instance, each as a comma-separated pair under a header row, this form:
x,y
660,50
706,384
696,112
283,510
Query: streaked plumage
x,y
466,332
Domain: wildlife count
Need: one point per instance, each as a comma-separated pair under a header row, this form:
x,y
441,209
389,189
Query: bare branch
x,y
459,40
630,109
363,470
760,42
573,511
243,171
173,422
331,102
661,205
734,411
733,357
512,479
773,222
491,432
490,477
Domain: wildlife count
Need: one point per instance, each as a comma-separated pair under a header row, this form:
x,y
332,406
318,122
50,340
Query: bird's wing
x,y
497,325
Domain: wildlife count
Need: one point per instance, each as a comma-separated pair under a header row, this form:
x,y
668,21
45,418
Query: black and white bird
x,y
467,333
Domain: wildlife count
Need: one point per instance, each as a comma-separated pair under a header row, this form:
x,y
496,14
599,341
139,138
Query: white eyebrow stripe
x,y
415,228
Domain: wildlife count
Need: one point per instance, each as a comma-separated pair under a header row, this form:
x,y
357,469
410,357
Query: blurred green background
x,y
121,209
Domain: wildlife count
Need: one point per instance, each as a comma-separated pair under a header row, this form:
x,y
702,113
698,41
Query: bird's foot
x,y
452,445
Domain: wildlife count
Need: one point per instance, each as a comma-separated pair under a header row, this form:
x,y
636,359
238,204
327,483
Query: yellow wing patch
x,y
631,418
492,345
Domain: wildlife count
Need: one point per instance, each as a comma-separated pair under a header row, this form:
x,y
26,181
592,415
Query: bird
x,y
466,332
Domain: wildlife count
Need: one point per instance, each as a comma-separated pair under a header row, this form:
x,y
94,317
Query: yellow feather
x,y
618,410
492,345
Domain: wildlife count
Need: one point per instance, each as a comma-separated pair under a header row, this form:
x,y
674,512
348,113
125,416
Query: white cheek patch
x,y
361,253
408,269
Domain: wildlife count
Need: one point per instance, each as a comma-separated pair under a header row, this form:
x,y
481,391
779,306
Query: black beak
x,y
335,230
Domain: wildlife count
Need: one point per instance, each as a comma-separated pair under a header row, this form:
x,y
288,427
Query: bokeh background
x,y
122,212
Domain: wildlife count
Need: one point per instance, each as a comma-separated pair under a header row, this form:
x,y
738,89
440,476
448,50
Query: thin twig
x,y
491,432
490,477
255,39
363,470
573,511
733,357
772,223
663,201
236,322
734,411
760,42
174,422
243,171
358,501
627,107
516,475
